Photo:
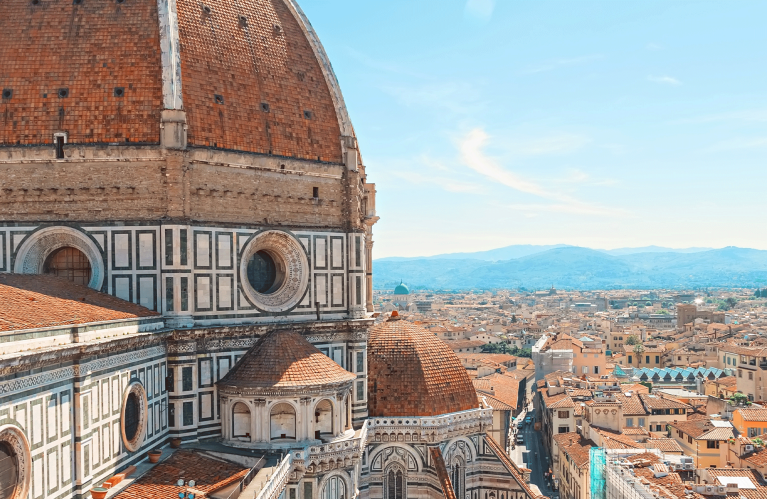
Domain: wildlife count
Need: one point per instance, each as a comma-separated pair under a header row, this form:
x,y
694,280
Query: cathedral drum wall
x,y
80,412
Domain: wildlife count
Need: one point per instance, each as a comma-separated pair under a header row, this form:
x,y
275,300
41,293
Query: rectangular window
x,y
740,373
186,379
630,360
171,415
712,444
315,192
657,359
647,359
629,422
563,414
358,290
169,294
360,390
59,147
170,386
658,427
358,251
182,246
360,362
184,294
188,413
292,494
689,439
308,490
585,369
750,375
168,246
564,429
640,421
596,369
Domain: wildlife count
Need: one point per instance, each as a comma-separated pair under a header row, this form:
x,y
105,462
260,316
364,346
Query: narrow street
x,y
532,455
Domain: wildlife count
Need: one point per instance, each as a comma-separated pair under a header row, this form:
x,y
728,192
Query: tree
x,y
513,318
632,340
758,293
738,399
730,302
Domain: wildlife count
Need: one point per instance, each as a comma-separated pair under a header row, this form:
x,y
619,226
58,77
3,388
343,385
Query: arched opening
x,y
283,422
323,419
69,263
9,471
335,488
240,421
458,476
266,272
394,483
132,416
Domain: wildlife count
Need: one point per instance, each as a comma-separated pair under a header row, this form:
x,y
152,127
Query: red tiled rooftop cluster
x,y
413,373
284,359
160,482
38,301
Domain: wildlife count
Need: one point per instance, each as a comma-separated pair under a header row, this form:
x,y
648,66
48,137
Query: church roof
x,y
251,75
284,359
40,301
401,289
411,372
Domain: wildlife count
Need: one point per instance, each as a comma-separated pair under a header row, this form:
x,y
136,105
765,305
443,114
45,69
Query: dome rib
x,y
413,373
284,359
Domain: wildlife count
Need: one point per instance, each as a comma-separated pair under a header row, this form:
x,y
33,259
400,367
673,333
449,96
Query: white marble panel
x,y
320,285
122,288
66,462
338,290
146,292
224,250
105,397
95,448
115,393
206,410
65,412
38,479
122,250
225,291
146,250
202,247
37,424
203,292
223,366
53,421
53,469
320,253
338,252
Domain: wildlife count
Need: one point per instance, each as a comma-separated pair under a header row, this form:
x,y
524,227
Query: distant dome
x,y
401,289
411,372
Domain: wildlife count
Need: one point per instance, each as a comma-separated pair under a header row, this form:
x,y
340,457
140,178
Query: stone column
x,y
261,420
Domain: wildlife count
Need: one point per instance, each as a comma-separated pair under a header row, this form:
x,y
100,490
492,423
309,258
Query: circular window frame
x,y
35,250
135,388
14,437
296,273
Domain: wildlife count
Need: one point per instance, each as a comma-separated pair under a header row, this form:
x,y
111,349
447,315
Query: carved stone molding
x,y
17,441
31,256
295,272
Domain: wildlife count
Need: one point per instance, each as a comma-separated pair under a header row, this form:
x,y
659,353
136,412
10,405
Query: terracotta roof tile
x,y
575,446
160,482
282,359
753,414
442,474
39,301
413,373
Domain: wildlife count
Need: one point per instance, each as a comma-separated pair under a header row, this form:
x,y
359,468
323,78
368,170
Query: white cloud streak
x,y
666,80
552,65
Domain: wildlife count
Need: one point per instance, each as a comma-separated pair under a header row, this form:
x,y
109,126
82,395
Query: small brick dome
x,y
251,76
285,360
411,372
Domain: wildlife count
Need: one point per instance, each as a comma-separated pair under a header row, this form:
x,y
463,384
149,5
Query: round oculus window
x,y
274,270
133,416
15,461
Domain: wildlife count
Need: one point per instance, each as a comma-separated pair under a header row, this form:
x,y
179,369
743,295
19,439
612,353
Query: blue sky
x,y
596,123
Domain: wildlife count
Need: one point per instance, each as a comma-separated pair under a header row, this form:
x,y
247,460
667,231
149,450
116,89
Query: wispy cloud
x,y
552,65
561,143
471,148
666,80
443,182
480,9
654,46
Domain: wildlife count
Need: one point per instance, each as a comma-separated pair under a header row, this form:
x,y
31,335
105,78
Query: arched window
x,y
323,419
458,477
395,486
9,471
283,422
70,264
240,420
335,488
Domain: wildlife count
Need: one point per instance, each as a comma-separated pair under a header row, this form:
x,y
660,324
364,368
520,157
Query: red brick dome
x,y
284,359
411,372
251,75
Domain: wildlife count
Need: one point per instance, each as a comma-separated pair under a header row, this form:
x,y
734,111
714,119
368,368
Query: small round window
x,y
9,471
266,272
132,415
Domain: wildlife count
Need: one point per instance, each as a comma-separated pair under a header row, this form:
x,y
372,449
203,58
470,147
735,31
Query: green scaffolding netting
x,y
597,460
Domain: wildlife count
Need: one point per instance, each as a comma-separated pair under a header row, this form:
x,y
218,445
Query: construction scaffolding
x,y
597,460
547,360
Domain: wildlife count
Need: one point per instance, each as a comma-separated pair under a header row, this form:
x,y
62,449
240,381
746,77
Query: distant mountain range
x,y
572,267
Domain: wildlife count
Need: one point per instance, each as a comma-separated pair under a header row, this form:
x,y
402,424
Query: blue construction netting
x,y
597,461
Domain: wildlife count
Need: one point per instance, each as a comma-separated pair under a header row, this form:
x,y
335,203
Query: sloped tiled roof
x,y
160,482
504,388
663,444
413,373
284,359
574,445
40,301
753,414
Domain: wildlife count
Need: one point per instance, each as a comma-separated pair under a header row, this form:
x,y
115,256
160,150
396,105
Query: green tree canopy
x,y
632,340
